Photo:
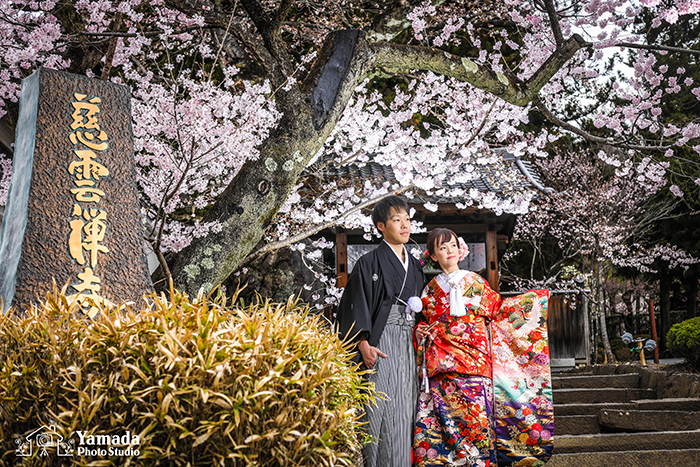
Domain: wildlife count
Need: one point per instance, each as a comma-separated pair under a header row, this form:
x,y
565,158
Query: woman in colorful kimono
x,y
455,422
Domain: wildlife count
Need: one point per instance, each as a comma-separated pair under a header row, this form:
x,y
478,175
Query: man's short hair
x,y
382,209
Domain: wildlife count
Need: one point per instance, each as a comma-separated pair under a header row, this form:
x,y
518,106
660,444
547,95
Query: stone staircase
x,y
625,416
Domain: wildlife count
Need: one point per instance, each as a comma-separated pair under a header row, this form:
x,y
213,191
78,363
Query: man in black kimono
x,y
373,309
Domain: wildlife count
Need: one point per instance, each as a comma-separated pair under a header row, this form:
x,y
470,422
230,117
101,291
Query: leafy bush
x,y
199,382
684,341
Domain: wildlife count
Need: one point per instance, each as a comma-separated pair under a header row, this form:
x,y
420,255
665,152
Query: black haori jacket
x,y
372,288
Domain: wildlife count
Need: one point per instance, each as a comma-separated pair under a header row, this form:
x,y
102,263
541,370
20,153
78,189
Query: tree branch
x,y
109,57
258,50
150,33
397,58
326,225
595,139
280,67
554,22
255,46
657,47
280,15
393,21
259,16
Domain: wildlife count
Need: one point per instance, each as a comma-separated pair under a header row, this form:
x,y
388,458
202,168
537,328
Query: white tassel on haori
x,y
414,304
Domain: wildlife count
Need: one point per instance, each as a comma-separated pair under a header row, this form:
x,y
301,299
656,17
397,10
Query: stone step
x,y
575,425
686,405
661,458
563,410
647,420
595,396
606,442
571,374
606,421
562,364
597,381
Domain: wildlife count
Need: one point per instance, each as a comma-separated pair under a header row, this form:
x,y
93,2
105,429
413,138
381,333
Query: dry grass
x,y
201,382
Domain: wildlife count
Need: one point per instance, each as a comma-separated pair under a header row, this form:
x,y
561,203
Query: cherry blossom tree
x,y
628,300
236,103
599,217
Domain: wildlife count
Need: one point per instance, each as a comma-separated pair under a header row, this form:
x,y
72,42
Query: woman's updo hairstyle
x,y
439,236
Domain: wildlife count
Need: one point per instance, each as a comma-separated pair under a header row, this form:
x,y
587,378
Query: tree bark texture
x,y
277,276
248,205
397,58
600,307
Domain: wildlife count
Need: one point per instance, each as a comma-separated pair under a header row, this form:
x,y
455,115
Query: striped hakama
x,y
391,420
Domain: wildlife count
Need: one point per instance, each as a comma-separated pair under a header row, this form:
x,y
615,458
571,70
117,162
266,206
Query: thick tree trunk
x,y
246,208
277,276
248,205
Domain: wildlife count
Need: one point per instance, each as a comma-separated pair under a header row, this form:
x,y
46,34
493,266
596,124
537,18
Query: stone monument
x,y
72,211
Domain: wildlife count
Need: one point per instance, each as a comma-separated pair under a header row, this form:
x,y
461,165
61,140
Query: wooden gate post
x,y
492,257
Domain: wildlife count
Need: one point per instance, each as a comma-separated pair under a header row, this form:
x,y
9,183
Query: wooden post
x,y
641,353
492,257
341,257
586,325
652,319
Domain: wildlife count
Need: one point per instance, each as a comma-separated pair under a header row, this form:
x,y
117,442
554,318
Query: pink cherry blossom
x,y
195,125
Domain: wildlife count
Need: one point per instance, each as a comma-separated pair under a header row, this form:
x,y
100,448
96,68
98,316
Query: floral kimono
x,y
486,397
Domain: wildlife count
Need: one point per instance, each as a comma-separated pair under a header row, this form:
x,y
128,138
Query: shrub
x,y
619,349
684,341
198,381
624,352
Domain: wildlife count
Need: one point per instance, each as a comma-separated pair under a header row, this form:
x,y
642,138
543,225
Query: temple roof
x,y
512,173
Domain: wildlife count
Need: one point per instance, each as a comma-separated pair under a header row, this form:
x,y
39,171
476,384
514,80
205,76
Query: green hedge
x,y
684,341
199,382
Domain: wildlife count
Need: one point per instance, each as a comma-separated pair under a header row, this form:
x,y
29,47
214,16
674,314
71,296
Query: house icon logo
x,y
40,439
